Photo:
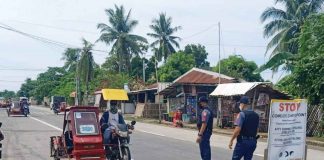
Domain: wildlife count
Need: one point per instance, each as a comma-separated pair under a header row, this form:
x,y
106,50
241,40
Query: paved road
x,y
28,138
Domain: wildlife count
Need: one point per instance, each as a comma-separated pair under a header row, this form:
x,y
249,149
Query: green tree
x,y
70,56
66,87
176,65
26,89
7,94
200,54
106,79
306,80
86,67
163,33
137,67
117,33
283,27
111,64
236,66
46,82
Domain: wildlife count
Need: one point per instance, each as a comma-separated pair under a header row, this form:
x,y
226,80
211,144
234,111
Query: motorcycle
x,y
118,149
1,138
56,109
25,110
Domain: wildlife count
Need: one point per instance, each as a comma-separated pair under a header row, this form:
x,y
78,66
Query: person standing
x,y
245,132
205,128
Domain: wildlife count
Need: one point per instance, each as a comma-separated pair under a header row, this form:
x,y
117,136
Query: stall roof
x,y
201,76
197,76
235,89
154,87
114,94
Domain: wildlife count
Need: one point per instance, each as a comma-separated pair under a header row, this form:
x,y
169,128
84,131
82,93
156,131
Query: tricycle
x,y
59,108
81,137
19,108
58,104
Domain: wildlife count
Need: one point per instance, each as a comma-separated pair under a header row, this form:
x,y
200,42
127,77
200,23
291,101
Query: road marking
x,y
157,134
59,129
261,155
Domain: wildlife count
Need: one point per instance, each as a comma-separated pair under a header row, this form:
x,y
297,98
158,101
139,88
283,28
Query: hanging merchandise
x,y
263,99
191,106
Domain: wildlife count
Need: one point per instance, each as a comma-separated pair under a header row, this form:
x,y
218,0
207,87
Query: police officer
x,y
205,128
245,132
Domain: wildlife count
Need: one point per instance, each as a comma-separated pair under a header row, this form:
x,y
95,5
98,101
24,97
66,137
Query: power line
x,y
54,27
200,32
42,39
11,81
21,69
236,45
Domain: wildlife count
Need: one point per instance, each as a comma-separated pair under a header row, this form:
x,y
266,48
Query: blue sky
x,y
69,21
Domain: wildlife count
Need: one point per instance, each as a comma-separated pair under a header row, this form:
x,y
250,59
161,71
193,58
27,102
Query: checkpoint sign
x,y
287,130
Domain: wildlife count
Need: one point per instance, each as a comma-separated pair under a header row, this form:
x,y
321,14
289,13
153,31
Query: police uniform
x,y
206,116
248,121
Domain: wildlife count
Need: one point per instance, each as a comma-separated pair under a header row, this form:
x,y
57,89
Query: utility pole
x,y
219,54
219,116
77,82
144,68
158,90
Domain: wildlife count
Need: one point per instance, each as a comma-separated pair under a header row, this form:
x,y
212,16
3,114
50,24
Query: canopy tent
x,y
114,94
235,89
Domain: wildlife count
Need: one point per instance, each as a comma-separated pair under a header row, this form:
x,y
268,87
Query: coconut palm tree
x,y
70,57
117,33
86,67
163,33
283,27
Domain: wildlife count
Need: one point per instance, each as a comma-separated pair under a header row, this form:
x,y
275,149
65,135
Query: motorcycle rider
x,y
55,105
22,103
9,104
109,121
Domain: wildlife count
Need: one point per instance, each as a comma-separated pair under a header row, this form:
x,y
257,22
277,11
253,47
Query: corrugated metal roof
x,y
234,89
200,76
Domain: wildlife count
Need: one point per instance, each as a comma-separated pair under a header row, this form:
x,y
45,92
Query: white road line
x,y
157,134
261,155
59,129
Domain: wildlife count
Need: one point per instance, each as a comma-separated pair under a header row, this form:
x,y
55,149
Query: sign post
x,y
287,130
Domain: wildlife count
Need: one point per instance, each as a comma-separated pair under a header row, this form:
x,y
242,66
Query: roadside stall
x,y
185,91
259,93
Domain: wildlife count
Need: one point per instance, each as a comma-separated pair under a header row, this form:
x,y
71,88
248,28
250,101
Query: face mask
x,y
113,109
241,107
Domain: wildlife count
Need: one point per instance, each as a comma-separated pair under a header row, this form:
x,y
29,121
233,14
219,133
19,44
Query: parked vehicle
x,y
118,149
81,137
58,104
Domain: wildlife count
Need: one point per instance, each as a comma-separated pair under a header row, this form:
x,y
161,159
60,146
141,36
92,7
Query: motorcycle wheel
x,y
126,154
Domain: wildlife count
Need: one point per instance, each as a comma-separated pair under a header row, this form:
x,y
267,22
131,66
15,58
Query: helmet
x,y
203,99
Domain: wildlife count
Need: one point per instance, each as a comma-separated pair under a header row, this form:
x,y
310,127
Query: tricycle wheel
x,y
126,155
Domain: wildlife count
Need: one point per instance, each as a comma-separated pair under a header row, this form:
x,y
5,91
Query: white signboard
x,y
287,130
87,129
